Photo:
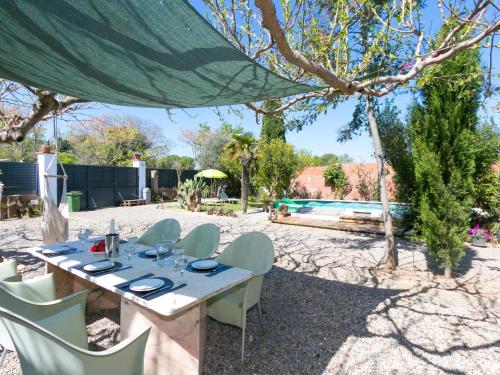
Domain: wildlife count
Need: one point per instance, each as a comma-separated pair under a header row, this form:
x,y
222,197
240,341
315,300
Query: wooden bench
x,y
133,202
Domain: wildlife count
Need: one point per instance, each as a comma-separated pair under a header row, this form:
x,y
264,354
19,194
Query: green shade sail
x,y
148,53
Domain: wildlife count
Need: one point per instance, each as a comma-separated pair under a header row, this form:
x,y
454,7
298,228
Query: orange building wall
x,y
311,180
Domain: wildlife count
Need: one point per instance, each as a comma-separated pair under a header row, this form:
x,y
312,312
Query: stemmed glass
x,y
83,236
132,244
181,263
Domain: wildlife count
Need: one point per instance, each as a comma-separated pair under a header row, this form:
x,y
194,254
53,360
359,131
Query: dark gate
x,y
167,178
101,186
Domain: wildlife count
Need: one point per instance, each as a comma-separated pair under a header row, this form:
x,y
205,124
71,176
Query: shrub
x,y
335,176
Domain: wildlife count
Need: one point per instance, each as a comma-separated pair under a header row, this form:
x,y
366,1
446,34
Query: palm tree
x,y
242,148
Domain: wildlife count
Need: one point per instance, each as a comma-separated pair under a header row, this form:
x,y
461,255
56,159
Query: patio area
x,y
326,309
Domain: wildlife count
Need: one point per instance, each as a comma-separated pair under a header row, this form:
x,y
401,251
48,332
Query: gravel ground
x,y
327,310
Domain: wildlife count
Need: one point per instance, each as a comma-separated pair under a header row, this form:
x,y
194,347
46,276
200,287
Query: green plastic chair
x,y
167,229
253,251
8,270
202,241
35,299
41,351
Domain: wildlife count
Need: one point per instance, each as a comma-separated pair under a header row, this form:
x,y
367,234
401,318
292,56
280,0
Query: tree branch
x,y
270,22
45,105
317,94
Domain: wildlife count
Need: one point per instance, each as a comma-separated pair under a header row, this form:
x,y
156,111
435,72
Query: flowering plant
x,y
478,233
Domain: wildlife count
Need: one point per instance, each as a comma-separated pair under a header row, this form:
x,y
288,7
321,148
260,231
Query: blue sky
x,y
318,138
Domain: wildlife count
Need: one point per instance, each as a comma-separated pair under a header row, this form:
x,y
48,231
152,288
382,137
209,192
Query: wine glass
x,y
132,244
181,263
83,235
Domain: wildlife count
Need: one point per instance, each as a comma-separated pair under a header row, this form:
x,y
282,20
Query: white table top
x,y
199,287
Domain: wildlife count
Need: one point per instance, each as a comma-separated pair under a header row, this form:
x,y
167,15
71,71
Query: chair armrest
x,y
128,356
64,303
13,279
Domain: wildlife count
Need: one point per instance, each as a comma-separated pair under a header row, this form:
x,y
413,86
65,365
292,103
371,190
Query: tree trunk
x,y
245,180
448,270
391,258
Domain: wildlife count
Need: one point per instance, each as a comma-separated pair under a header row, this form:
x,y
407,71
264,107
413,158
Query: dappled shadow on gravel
x,y
307,319
460,269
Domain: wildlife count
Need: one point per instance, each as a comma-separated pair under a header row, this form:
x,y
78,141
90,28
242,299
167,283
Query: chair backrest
x,y
253,251
42,352
167,229
37,290
8,268
223,195
202,241
35,299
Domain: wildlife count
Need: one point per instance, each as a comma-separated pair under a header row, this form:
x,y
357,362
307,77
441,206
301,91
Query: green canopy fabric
x,y
148,53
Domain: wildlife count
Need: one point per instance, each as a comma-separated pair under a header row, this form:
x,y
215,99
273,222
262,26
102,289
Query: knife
x,y
108,271
162,289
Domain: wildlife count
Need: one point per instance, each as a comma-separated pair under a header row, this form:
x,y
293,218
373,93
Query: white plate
x,y
204,264
145,285
55,250
98,266
152,252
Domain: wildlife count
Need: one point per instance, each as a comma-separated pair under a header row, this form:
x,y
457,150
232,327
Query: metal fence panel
x,y
100,176
19,178
101,186
100,197
125,176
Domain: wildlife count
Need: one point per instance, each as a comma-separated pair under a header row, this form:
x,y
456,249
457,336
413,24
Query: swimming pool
x,y
338,208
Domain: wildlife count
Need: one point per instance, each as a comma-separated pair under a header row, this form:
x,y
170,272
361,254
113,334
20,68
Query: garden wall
x,y
311,183
102,186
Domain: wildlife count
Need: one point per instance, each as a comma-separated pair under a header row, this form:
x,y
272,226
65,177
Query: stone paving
x,y
327,309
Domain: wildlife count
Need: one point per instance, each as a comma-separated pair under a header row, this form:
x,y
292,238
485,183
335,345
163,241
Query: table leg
x,y
67,283
176,344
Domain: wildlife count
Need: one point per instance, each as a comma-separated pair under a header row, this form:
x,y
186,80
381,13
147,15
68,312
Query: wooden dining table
x,y
177,319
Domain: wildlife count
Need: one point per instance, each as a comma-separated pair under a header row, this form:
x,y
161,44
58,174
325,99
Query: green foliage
x,y
443,130
273,126
309,160
112,140
242,149
327,159
173,162
208,144
336,177
26,150
67,158
487,181
368,187
277,165
397,150
189,193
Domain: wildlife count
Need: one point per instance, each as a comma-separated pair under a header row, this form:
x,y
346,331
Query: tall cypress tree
x,y
273,126
443,127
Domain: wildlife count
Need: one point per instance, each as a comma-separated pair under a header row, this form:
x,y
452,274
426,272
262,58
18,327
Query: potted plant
x,y
45,149
479,236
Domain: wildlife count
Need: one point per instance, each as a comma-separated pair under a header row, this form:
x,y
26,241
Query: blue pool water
x,y
296,204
